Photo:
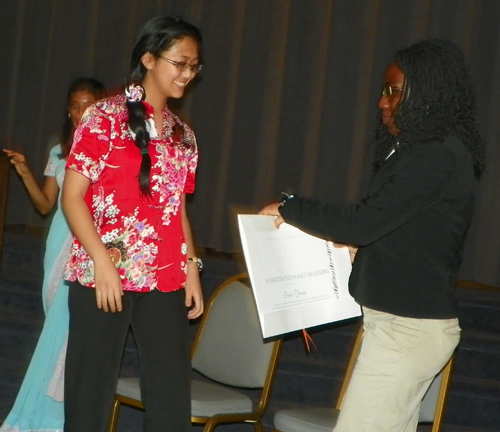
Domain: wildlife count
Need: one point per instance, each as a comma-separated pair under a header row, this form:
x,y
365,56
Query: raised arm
x,y
44,198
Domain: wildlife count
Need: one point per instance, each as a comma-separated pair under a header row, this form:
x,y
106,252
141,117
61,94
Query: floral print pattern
x,y
143,235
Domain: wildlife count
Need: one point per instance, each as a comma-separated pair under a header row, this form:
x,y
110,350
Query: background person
x,y
409,229
38,406
133,259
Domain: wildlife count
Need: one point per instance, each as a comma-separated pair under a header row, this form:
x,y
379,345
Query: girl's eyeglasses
x,y
182,66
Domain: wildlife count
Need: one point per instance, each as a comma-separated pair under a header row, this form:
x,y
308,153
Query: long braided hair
x,y
437,100
157,36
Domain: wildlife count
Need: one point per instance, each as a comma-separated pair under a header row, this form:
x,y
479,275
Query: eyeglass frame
x,y
388,90
182,66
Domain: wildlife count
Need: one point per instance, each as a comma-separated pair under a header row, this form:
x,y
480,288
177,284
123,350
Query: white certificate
x,y
299,281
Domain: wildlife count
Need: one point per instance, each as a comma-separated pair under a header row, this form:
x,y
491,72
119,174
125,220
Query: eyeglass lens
x,y
388,90
182,66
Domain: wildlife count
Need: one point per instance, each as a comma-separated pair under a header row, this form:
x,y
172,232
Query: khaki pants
x,y
399,357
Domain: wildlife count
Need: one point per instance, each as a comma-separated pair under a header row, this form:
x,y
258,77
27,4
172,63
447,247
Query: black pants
x,y
95,347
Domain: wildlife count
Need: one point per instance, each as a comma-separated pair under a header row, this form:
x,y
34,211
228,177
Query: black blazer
x,y
410,229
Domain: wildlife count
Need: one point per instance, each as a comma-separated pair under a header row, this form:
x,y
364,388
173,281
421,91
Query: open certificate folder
x,y
299,281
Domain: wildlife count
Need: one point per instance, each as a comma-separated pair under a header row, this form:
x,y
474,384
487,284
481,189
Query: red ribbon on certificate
x,y
308,339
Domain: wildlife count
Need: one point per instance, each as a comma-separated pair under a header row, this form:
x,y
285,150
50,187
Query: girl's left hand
x,y
194,294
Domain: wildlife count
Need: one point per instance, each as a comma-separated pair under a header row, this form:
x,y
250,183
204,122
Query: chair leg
x,y
115,412
258,426
210,425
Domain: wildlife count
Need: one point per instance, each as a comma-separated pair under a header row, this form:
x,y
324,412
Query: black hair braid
x,y
137,123
438,100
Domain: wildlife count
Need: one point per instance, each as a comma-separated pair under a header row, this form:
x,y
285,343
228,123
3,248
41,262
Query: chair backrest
x,y
4,186
434,401
229,347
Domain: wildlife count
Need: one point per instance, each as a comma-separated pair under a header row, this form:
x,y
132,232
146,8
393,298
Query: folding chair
x,y
324,419
229,350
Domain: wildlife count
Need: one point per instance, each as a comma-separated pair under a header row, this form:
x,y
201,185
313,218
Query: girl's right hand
x,y
108,286
19,161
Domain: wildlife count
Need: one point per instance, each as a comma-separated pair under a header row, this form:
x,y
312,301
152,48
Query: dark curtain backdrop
x,y
287,98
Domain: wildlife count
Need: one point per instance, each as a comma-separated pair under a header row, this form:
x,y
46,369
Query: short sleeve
x,y
54,159
91,144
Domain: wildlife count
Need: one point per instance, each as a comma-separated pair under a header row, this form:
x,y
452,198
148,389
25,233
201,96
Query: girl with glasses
x,y
133,260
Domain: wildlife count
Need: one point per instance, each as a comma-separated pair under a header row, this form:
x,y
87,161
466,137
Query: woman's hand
x,y
19,161
352,250
272,210
108,286
194,294
45,198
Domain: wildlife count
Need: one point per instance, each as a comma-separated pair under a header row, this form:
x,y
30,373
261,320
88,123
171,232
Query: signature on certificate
x,y
295,294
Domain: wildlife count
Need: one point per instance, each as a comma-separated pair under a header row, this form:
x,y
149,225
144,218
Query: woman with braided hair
x,y
133,259
409,230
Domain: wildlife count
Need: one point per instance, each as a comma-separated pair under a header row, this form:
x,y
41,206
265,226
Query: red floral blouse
x,y
143,236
